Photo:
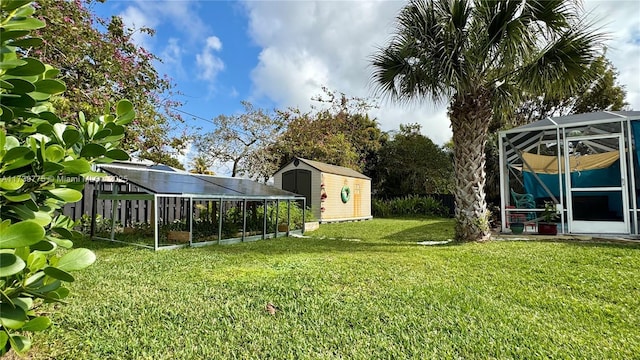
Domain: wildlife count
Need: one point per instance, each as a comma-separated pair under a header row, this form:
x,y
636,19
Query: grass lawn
x,y
354,291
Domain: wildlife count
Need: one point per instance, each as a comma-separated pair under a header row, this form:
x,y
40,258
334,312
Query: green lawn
x,y
354,291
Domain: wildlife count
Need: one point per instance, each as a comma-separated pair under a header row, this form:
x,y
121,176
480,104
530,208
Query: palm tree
x,y
200,166
479,56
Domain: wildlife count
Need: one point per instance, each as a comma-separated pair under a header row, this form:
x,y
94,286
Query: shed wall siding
x,y
358,206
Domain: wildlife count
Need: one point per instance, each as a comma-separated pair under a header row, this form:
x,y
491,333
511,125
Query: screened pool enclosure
x,y
582,168
165,209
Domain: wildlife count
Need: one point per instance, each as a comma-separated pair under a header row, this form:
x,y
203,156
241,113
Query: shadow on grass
x,y
400,241
364,237
288,246
97,244
596,242
267,246
434,231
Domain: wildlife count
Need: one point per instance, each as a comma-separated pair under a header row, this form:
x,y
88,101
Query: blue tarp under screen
x,y
587,178
609,176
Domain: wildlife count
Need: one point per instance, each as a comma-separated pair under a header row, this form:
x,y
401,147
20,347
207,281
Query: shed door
x,y
299,182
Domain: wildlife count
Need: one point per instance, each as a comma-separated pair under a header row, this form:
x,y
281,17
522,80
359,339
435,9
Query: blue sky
x,y
209,58
280,53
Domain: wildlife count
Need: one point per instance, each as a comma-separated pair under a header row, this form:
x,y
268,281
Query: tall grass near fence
x,y
411,205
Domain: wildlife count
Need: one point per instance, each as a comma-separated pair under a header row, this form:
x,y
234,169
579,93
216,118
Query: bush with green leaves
x,y
233,221
44,162
411,205
295,213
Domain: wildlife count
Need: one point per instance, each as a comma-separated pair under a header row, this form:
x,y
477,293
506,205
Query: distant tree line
x,y
337,130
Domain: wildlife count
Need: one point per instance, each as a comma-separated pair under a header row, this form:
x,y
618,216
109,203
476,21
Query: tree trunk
x,y
470,116
235,168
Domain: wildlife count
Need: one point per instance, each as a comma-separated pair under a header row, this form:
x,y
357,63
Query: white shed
x,y
333,193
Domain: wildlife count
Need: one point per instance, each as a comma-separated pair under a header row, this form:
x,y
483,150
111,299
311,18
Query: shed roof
x,y
331,169
183,183
577,119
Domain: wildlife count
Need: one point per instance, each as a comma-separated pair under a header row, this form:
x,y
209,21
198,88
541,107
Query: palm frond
x,y
564,64
554,15
447,47
425,58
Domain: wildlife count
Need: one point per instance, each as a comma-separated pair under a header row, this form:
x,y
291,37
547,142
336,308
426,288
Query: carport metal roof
x,y
195,185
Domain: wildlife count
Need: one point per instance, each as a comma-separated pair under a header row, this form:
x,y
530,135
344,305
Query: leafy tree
x,y
411,164
307,138
100,63
43,164
477,55
340,134
240,139
605,93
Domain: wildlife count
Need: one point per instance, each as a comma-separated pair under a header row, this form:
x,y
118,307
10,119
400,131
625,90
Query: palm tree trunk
x,y
470,116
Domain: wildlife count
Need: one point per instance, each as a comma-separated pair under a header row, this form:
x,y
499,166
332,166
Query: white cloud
x,y
182,15
186,25
171,57
208,63
308,44
289,76
188,31
621,19
214,43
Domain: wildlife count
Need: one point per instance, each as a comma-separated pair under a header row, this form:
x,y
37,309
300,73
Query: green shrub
x,y
408,206
43,165
295,213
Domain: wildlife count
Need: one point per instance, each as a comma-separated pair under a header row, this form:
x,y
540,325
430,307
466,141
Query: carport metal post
x,y
288,216
304,207
94,210
191,214
113,212
275,234
244,218
264,220
155,220
220,222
